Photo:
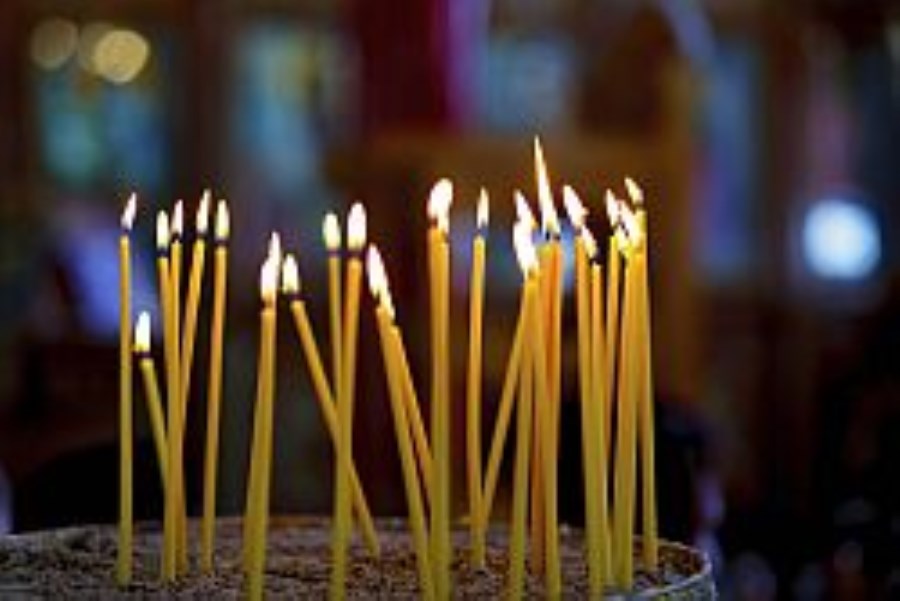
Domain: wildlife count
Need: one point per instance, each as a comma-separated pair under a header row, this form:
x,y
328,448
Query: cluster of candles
x,y
615,390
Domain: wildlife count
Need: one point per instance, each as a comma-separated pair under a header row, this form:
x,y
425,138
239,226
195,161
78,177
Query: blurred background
x,y
765,134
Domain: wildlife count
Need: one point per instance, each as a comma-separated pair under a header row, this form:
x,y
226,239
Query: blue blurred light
x,y
841,239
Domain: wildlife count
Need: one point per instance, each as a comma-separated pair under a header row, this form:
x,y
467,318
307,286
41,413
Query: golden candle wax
x,y
331,232
151,391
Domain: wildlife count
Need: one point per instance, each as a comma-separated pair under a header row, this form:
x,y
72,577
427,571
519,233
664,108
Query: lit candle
x,y
439,261
151,391
384,313
528,262
170,524
195,282
587,376
645,400
510,382
176,436
264,415
356,240
473,384
214,387
613,267
599,409
290,278
331,232
626,435
126,493
545,542
411,399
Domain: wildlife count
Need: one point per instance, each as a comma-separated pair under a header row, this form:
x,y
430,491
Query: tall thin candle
x,y
331,232
124,559
214,386
473,383
151,391
176,435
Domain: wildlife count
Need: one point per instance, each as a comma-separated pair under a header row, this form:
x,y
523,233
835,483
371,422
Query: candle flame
x,y
223,221
275,248
129,211
178,219
202,221
378,281
523,212
631,226
524,245
162,230
142,333
331,232
549,217
268,280
574,208
590,243
290,275
634,192
356,227
439,201
612,208
481,214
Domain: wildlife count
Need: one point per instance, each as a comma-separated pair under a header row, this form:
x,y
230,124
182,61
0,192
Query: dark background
x,y
764,132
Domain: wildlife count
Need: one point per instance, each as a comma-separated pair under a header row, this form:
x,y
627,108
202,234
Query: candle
x,y
214,386
356,239
626,438
126,493
599,409
586,379
528,263
645,399
613,267
510,380
151,391
177,435
331,232
439,261
171,359
473,384
291,287
384,313
545,541
264,413
420,439
195,282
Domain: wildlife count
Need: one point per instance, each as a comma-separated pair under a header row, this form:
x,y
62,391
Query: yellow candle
x,y
438,208
599,410
356,239
291,287
177,435
528,262
214,386
586,379
171,357
151,391
473,383
265,413
195,287
331,232
613,267
389,350
126,493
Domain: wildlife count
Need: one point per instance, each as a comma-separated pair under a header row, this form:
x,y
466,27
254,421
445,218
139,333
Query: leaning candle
x,y
586,378
171,359
414,416
126,493
528,263
384,314
439,203
473,383
613,267
151,391
290,278
356,239
214,386
264,412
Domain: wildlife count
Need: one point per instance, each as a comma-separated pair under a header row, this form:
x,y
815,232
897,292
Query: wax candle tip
x,y
129,211
331,232
223,221
177,225
202,221
634,192
574,207
356,227
162,230
142,333
290,275
483,209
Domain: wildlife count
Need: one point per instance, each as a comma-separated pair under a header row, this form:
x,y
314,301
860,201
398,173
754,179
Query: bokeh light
x,y
841,239
53,43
